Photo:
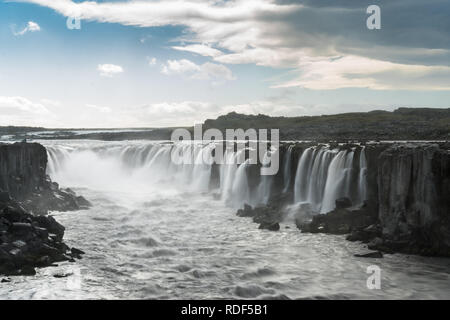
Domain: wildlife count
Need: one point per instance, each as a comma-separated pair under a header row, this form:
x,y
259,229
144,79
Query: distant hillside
x,y
401,124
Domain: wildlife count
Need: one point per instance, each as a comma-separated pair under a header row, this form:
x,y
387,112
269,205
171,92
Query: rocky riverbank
x,y
23,175
29,238
28,241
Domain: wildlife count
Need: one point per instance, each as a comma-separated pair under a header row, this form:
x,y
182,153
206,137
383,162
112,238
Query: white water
x,y
154,233
324,175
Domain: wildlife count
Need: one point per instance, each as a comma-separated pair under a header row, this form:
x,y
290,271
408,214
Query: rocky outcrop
x,y
268,217
22,168
341,220
414,198
23,175
28,238
408,207
28,241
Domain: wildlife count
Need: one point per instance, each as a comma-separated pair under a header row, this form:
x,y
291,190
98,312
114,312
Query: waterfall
x,y
240,193
337,184
122,166
287,169
264,189
301,176
362,181
324,175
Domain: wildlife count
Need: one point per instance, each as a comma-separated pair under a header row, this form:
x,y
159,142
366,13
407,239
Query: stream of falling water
x,y
158,230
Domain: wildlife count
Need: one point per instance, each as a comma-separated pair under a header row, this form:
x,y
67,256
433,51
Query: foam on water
x,y
154,233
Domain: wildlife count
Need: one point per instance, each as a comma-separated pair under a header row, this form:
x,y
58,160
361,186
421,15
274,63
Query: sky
x,y
153,63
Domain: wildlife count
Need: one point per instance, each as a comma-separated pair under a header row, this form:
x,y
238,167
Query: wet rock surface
x,y
29,238
23,177
407,208
268,217
414,199
28,241
411,210
339,221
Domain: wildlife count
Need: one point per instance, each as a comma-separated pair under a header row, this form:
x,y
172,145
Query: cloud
x,y
22,111
360,72
204,71
99,108
31,27
186,113
50,102
109,70
200,49
20,104
303,35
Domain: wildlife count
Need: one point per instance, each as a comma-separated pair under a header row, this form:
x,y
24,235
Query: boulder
x,y
339,221
77,251
343,203
25,242
270,226
21,229
375,254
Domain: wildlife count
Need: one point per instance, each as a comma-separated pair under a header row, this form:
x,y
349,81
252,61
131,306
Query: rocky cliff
x,y
23,176
22,169
414,198
407,208
28,238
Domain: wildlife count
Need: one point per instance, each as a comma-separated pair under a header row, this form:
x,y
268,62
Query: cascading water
x,y
148,165
287,169
152,233
362,181
324,175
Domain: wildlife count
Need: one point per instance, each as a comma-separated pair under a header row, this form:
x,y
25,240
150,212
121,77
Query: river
x,y
151,236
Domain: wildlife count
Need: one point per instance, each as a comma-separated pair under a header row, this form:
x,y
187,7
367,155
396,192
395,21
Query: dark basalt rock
x,y
28,238
30,241
375,254
23,178
366,234
268,217
270,226
76,251
414,201
408,206
246,212
343,203
339,221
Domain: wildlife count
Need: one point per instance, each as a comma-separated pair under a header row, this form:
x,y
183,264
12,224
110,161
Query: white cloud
x,y
109,70
99,108
50,102
31,27
22,111
200,49
267,33
20,104
323,73
187,113
235,25
204,71
179,66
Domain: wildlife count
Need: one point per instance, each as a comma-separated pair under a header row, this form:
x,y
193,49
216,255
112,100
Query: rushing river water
x,y
145,239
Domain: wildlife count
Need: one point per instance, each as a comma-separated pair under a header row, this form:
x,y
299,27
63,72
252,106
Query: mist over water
x,y
160,230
